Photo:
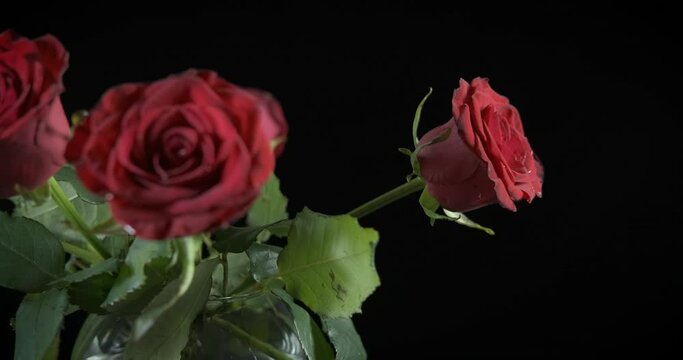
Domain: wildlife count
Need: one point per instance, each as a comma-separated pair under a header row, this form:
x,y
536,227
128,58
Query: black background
x,y
592,268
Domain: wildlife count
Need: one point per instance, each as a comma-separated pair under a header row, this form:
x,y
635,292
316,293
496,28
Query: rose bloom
x,y
487,158
179,156
33,127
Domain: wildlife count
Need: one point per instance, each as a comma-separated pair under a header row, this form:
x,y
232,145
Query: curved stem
x,y
263,346
388,197
76,220
187,247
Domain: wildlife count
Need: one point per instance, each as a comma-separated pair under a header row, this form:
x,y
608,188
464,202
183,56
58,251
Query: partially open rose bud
x,y
33,127
487,158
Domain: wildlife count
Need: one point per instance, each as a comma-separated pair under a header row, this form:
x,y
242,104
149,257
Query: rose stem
x,y
267,349
76,220
80,252
224,263
388,197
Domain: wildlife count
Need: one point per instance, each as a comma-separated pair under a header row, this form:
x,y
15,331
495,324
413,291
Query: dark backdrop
x,y
589,269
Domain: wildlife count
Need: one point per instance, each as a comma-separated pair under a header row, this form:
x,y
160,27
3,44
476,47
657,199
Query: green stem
x,y
76,220
81,253
266,348
226,271
209,245
105,226
388,197
186,247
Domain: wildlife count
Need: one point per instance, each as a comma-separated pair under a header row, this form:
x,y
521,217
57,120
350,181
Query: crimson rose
x,y
486,159
33,127
177,157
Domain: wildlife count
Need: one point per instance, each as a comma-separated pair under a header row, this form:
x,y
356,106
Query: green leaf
x,y
405,151
345,339
35,211
91,292
418,114
188,249
91,327
238,266
68,174
132,275
52,352
430,205
158,273
280,228
107,266
38,322
100,334
169,333
270,207
53,218
312,339
329,263
92,214
30,255
34,197
263,260
116,244
237,239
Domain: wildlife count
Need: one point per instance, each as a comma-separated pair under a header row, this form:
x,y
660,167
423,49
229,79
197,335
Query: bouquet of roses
x,y
158,213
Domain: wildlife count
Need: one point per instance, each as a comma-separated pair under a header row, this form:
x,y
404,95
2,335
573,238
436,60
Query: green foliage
x,y
91,292
238,274
312,339
117,244
132,287
418,114
108,266
345,339
68,174
187,250
53,218
271,205
167,336
236,239
263,260
91,327
269,208
38,321
430,206
30,255
328,263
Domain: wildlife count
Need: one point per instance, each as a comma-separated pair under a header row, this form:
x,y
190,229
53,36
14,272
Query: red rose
x,y
177,157
33,127
276,126
486,159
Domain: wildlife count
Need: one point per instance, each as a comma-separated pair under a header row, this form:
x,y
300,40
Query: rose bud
x,y
487,159
34,130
